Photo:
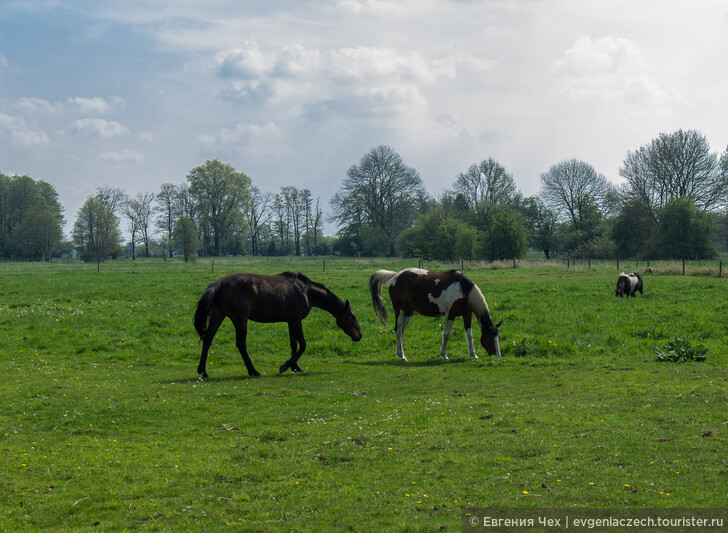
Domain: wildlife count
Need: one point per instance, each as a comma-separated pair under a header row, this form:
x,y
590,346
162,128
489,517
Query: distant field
x,y
104,424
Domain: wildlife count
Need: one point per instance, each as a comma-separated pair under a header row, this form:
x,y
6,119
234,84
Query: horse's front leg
x,y
298,345
467,322
241,335
445,337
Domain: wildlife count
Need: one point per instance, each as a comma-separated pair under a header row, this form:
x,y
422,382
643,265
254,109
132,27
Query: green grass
x,y
104,424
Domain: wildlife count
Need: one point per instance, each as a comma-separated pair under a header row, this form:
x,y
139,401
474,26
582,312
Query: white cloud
x,y
247,135
370,7
21,134
37,105
95,105
609,69
97,127
122,157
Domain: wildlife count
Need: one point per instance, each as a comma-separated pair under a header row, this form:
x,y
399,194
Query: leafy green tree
x,y
507,236
184,237
632,230
684,231
96,232
379,197
541,223
219,194
31,218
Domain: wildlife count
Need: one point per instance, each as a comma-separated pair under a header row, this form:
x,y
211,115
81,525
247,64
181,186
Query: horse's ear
x,y
498,324
346,304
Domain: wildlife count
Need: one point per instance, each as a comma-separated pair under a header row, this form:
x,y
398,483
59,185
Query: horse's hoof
x,y
203,374
254,374
296,369
285,366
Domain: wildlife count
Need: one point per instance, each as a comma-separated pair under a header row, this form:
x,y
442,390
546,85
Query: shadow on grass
x,y
241,377
431,362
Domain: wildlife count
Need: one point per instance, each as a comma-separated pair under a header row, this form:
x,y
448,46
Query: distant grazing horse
x,y
286,297
628,284
449,294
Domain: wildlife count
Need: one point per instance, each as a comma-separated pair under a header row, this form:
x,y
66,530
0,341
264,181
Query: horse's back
x,y
429,293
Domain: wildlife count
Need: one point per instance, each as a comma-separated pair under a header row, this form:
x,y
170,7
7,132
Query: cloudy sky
x,y
135,93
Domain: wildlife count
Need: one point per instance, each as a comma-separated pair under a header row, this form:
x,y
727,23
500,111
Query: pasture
x,y
105,425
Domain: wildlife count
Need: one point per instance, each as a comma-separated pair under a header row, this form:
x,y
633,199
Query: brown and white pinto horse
x,y
286,297
449,294
628,284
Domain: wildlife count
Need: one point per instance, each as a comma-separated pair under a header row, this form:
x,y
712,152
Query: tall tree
x,y
31,218
573,187
184,237
219,194
96,230
139,212
378,196
676,165
256,210
169,209
485,186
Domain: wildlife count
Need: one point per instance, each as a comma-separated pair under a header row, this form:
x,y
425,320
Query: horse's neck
x,y
325,300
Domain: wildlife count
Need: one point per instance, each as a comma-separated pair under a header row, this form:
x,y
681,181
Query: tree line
x,y
672,204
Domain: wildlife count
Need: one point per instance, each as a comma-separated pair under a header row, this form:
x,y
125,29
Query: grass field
x,y
104,424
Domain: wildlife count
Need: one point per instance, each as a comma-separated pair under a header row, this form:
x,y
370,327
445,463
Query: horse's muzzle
x,y
356,336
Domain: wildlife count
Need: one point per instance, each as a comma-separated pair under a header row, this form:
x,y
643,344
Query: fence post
x,y
683,267
720,269
324,265
213,267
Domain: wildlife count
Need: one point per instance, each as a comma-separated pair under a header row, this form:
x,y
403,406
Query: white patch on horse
x,y
632,283
418,271
447,297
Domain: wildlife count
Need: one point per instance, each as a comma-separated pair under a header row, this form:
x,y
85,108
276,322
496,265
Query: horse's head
x,y
348,323
490,338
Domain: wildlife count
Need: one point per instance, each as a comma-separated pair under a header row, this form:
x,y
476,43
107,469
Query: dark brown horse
x,y
286,297
449,294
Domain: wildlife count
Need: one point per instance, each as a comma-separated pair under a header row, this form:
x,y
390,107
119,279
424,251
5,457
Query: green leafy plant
x,y
681,351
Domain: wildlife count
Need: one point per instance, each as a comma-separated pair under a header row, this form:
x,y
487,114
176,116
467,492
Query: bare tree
x,y
485,185
380,192
574,187
256,210
168,207
676,165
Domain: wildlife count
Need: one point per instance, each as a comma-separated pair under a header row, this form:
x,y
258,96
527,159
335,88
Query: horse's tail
x,y
204,308
376,282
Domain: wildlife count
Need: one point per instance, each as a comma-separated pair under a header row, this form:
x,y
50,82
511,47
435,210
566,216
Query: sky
x,y
136,93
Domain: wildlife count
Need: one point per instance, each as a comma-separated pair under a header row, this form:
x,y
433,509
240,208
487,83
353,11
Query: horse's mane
x,y
475,297
307,282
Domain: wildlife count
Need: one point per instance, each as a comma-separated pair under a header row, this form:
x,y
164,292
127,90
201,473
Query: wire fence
x,y
712,268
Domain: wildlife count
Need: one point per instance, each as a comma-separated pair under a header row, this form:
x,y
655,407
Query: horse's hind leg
x,y
241,335
216,319
298,345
